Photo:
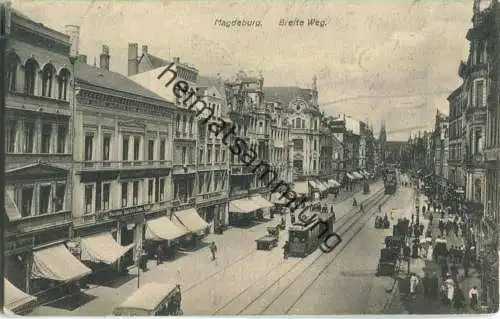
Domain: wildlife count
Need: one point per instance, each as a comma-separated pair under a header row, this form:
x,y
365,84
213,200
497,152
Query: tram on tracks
x,y
390,180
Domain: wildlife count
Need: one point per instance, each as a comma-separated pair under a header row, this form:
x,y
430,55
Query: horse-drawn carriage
x,y
270,240
388,261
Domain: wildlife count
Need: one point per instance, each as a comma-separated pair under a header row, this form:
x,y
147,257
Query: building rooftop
x,y
111,80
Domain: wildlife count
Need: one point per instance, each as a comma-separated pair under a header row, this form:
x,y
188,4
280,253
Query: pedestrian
x,y
413,284
450,288
159,254
466,264
473,298
426,284
286,249
430,219
434,286
213,249
443,289
458,300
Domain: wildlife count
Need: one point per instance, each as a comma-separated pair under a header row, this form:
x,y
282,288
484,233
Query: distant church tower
x,y
382,140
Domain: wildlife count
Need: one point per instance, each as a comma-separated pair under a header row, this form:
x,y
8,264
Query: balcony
x,y
178,135
474,161
186,168
492,154
476,115
42,222
241,169
238,193
261,136
122,165
212,167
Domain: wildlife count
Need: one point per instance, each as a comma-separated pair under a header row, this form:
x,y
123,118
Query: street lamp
x,y
138,258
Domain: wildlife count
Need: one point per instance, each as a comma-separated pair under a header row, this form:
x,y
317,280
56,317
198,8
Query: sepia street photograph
x,y
261,157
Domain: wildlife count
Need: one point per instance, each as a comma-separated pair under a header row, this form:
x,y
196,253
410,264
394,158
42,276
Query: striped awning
x,y
242,206
261,202
160,229
301,188
102,248
14,298
57,263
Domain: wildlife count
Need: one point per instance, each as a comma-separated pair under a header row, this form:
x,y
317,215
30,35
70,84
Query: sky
x,y
380,60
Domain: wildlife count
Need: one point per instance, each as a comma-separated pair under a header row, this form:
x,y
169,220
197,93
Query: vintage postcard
x,y
211,158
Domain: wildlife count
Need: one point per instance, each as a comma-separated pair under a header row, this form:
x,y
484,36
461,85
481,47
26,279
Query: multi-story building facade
x,y
161,76
122,161
38,156
485,55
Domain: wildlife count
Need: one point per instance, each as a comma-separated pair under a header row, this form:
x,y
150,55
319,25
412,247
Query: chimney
x,y
104,58
177,59
133,62
82,58
144,49
74,39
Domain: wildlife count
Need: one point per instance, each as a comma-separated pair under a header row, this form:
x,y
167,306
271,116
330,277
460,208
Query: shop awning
x,y
57,263
333,183
357,175
366,173
102,248
277,199
349,176
313,184
160,229
15,298
261,202
190,219
301,188
242,206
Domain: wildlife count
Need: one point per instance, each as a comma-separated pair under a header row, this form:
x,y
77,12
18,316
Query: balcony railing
x,y
241,169
238,192
111,165
210,196
34,223
184,135
183,201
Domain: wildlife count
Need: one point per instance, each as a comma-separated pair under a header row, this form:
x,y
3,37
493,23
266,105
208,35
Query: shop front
x,y
246,210
212,208
162,232
196,227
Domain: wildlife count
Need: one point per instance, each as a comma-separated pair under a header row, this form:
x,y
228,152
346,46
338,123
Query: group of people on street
x,y
448,258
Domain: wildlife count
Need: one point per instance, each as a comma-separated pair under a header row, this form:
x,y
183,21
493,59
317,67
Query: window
x,y
151,150
30,76
216,181
209,154
201,181
98,197
162,189
125,143
89,146
209,181
297,123
162,149
62,133
150,190
12,72
47,77
46,134
135,193
124,194
316,145
63,84
11,134
59,199
200,157
479,93
157,187
298,145
105,195
136,147
217,153
29,133
106,144
223,156
478,147
184,155
89,189
303,123
26,201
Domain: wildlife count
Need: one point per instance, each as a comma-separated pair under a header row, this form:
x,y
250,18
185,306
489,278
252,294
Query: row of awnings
x,y
58,263
361,174
249,204
14,298
324,186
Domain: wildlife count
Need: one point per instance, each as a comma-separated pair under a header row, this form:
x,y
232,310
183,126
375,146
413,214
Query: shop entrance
x,y
127,238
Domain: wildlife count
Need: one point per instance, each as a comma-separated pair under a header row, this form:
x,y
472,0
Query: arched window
x,y
47,79
30,76
178,122
297,123
12,66
63,84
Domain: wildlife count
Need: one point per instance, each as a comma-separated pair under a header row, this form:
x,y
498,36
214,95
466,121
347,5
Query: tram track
x,y
253,252
350,219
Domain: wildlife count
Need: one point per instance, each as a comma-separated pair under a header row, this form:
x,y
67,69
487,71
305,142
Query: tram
x,y
390,180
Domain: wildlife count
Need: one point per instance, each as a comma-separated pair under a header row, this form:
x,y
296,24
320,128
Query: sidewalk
x,y
402,303
236,248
